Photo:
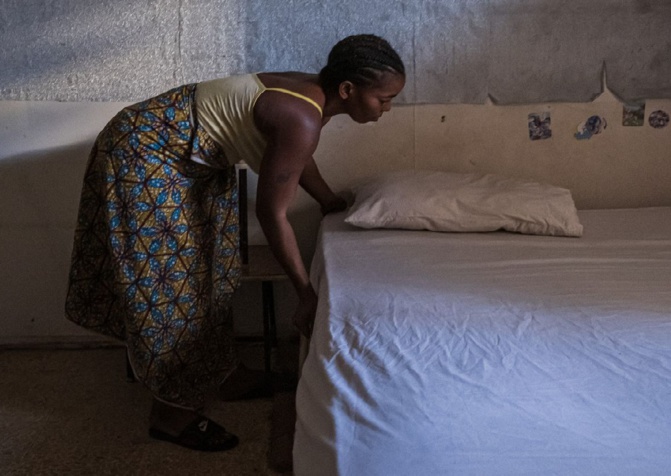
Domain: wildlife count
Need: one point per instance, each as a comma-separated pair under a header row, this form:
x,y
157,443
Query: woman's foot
x,y
170,419
189,429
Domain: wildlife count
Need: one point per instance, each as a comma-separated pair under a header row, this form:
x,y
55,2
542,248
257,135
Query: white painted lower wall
x,y
44,147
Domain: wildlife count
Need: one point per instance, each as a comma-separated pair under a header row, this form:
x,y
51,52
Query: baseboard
x,y
58,342
93,341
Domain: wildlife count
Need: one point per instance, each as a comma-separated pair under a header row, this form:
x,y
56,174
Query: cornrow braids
x,y
361,59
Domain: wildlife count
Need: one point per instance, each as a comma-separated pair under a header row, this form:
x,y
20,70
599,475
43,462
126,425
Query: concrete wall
x,y
456,51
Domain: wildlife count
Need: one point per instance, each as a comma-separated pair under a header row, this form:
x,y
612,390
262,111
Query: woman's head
x,y
361,60
366,73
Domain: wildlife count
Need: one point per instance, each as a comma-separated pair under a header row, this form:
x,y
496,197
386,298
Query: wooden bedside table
x,y
263,267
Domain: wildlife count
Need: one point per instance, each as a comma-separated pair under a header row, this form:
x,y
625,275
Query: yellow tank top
x,y
225,109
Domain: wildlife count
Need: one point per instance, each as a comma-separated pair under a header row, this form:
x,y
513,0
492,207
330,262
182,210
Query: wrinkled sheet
x,y
490,354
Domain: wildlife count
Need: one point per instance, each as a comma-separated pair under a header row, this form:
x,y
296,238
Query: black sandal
x,y
201,434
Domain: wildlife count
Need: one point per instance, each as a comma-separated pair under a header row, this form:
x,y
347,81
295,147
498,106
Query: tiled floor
x,y
71,412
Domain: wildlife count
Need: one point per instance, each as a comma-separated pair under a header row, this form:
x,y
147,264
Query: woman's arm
x,y
292,131
313,183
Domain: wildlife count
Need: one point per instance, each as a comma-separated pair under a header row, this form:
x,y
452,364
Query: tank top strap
x,y
298,95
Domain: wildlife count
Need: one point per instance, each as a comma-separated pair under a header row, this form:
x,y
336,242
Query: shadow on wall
x,y
42,187
39,199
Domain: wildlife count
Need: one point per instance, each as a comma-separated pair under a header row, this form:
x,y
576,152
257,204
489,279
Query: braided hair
x,y
361,59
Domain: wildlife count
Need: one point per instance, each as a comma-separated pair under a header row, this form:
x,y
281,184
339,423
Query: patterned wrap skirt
x,y
156,249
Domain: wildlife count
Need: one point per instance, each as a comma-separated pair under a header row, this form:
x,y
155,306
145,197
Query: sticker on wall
x,y
591,127
633,114
539,126
658,119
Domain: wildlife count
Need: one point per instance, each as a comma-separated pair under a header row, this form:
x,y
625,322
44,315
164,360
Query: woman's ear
x,y
345,89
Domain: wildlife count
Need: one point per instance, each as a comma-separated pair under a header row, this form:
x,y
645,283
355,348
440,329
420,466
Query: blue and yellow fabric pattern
x,y
155,259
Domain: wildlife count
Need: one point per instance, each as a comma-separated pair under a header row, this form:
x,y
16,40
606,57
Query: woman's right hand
x,y
304,317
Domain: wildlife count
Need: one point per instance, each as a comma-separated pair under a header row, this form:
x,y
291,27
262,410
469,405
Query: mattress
x,y
490,353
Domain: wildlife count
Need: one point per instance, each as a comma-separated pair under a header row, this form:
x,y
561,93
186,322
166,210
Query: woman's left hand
x,y
337,204
304,317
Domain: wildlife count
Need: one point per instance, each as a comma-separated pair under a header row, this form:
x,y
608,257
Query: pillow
x,y
463,202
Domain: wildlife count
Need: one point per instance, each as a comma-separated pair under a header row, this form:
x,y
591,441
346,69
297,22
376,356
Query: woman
x,y
155,259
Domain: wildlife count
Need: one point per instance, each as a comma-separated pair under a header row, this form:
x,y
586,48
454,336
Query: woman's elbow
x,y
268,214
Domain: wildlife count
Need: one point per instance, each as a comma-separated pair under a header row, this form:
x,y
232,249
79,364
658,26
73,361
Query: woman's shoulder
x,y
305,84
304,102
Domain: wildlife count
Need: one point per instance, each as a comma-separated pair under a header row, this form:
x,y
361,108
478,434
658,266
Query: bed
x,y
490,353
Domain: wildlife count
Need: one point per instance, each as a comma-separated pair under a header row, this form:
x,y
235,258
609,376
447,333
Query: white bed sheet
x,y
490,354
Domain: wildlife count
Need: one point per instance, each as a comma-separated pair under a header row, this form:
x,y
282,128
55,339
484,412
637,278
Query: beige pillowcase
x,y
464,202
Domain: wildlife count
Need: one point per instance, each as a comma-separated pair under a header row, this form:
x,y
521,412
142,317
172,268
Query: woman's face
x,y
368,103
